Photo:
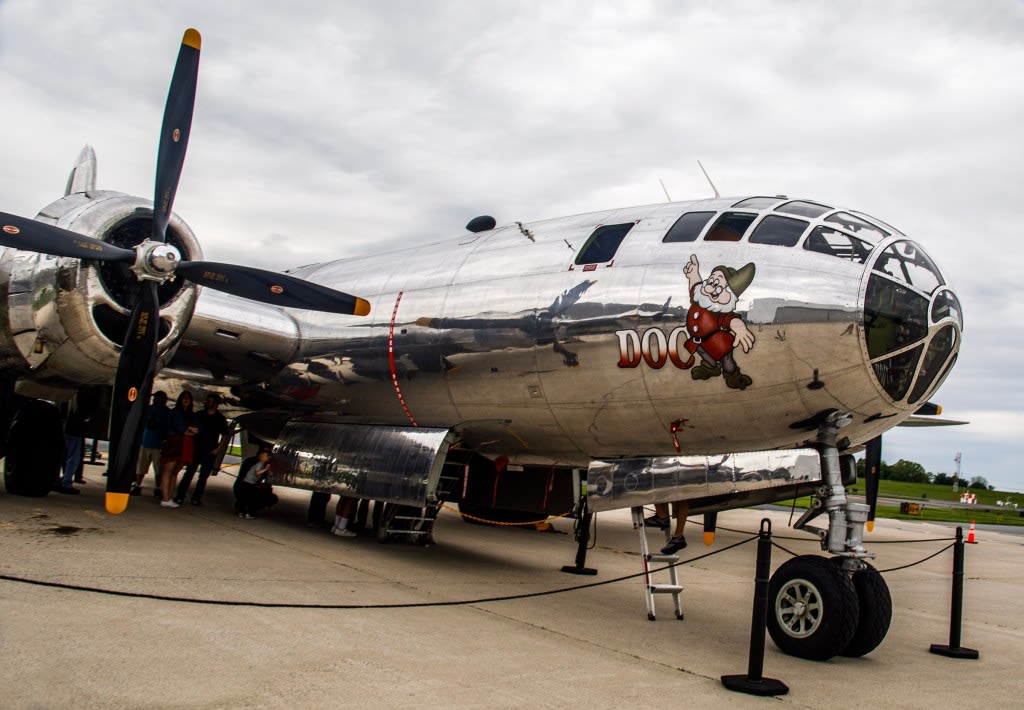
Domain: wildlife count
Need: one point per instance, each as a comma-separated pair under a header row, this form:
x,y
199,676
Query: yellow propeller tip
x,y
362,307
709,539
192,38
116,503
870,526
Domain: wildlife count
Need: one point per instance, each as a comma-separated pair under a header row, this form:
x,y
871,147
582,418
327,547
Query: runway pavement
x,y
590,647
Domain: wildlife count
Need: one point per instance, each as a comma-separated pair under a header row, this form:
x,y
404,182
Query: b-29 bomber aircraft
x,y
727,352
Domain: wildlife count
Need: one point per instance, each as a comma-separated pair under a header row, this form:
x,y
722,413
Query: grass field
x,y
922,493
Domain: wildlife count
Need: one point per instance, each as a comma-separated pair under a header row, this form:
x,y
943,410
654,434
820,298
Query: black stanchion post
x,y
954,649
754,683
584,517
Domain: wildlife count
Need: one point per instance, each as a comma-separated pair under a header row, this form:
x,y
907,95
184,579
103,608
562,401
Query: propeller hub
x,y
155,261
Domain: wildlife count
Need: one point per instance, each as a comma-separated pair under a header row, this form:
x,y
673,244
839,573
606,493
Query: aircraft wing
x,y
918,421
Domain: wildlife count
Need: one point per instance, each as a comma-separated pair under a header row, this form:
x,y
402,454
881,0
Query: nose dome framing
x,y
912,323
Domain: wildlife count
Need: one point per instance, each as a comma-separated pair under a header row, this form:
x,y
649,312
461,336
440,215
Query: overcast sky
x,y
329,129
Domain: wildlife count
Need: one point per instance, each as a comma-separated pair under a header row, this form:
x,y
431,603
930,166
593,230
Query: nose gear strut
x,y
845,533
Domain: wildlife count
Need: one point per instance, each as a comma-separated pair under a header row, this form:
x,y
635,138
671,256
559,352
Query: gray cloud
x,y
331,130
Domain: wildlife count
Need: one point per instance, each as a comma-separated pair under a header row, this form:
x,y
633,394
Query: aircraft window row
x,y
603,243
780,231
839,244
803,208
905,262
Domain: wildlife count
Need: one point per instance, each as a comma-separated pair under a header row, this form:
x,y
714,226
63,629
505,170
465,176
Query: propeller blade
x,y
872,469
177,125
32,235
132,386
271,287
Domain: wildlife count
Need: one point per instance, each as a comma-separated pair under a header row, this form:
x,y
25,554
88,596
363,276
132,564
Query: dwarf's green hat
x,y
738,280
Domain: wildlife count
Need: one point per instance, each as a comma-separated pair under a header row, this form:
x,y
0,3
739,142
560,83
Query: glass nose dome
x,y
912,323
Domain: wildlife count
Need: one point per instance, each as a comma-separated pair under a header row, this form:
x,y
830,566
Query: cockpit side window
x,y
780,231
758,203
730,227
825,240
857,225
905,262
687,227
603,243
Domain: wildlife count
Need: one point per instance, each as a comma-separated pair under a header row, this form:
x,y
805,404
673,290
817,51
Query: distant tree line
x,y
913,472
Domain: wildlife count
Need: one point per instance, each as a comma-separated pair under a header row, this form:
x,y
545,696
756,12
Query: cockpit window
x,y
730,227
803,208
894,316
826,240
780,231
905,262
884,224
857,225
757,203
896,373
603,243
687,228
946,305
932,366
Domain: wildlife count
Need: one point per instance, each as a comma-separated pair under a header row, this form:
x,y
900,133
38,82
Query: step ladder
x,y
406,520
650,588
418,523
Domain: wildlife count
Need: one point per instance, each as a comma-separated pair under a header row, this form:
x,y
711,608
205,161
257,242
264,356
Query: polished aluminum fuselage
x,y
502,336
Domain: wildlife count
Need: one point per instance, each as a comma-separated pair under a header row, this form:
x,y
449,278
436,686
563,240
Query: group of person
x,y
176,438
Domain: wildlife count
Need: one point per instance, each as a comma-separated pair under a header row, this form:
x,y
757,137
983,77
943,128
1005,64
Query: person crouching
x,y
253,491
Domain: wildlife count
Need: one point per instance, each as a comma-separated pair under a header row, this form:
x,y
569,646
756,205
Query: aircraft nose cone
x,y
912,323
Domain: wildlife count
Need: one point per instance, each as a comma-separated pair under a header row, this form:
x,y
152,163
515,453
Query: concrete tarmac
x,y
592,647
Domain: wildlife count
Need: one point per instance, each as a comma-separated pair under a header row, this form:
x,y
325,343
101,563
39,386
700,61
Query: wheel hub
x,y
798,608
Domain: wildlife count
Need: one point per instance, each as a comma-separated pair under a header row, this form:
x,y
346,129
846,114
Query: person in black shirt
x,y
213,427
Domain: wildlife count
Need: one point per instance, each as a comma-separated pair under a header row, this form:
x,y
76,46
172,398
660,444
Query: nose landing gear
x,y
822,607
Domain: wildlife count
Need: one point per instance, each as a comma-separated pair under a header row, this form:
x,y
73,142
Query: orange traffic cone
x,y
970,533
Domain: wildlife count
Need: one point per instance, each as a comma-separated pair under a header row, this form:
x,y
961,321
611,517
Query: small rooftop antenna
x,y
665,190
708,178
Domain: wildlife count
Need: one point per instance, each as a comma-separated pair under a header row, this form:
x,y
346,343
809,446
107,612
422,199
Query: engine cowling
x,y
67,318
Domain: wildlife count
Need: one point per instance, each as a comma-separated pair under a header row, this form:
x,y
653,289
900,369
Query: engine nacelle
x,y
67,318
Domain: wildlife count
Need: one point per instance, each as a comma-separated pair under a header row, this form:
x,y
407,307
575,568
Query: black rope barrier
x,y
403,605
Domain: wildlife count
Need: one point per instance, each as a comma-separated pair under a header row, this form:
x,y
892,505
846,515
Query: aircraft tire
x,y
35,450
875,611
813,608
